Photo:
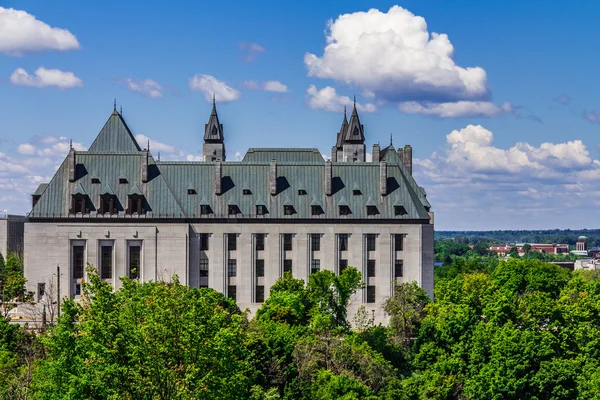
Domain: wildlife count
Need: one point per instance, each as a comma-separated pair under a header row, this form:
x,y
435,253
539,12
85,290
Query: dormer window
x,y
96,180
344,210
233,209
261,210
316,210
107,204
123,181
356,192
301,192
191,191
372,210
205,209
399,210
246,192
135,204
289,210
79,204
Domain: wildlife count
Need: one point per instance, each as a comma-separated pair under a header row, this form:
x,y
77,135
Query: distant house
x,y
504,249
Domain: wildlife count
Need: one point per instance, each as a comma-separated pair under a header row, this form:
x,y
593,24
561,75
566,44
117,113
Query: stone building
x,y
232,226
11,233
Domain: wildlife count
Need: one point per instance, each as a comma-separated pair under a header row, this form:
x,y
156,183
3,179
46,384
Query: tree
x,y
12,283
406,308
526,248
514,252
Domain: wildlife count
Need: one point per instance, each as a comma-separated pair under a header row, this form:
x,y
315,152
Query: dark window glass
x,y
343,265
233,210
315,242
78,262
260,241
232,292
398,269
106,262
370,268
204,241
191,191
107,204
79,204
315,266
398,242
205,209
289,210
370,294
41,290
301,192
287,266
231,241
203,267
371,240
246,191
260,293
287,241
372,210
77,289
95,180
356,192
135,253
122,180
343,242
399,210
135,204
345,210
260,268
316,210
231,267
261,210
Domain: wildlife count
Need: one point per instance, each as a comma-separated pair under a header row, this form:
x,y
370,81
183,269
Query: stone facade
x,y
11,233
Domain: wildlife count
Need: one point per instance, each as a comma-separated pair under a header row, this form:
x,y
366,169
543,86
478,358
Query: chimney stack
x,y
145,154
334,154
383,178
72,165
328,178
273,178
375,153
408,158
218,173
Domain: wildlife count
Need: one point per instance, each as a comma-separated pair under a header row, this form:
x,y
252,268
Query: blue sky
x,y
503,128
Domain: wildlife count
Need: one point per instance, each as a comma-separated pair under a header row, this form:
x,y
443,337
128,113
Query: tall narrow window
x,y
370,294
315,266
371,242
315,242
135,260
398,269
287,266
41,290
370,268
232,292
287,241
79,204
260,241
231,241
343,265
260,268
343,238
78,262
260,293
231,267
398,242
135,204
204,268
204,241
107,204
106,260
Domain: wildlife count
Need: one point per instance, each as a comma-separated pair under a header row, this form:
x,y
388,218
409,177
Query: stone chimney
x,y
218,175
273,178
72,165
334,154
400,152
383,178
145,154
328,178
408,158
375,153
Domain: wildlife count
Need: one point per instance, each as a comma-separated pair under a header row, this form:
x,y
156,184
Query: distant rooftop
x,y
283,155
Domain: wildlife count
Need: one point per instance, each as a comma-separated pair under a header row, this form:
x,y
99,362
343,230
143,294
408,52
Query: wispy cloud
x,y
209,86
563,99
250,51
145,87
45,77
268,86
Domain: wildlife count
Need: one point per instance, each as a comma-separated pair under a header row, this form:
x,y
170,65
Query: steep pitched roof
x,y
213,130
343,129
115,136
355,133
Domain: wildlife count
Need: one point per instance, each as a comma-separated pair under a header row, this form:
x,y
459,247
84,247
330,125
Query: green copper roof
x,y
107,189
40,189
114,136
283,155
79,189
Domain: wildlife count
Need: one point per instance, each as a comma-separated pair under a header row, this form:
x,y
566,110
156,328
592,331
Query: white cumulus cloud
x,y
268,86
393,55
45,77
21,32
145,87
328,100
210,85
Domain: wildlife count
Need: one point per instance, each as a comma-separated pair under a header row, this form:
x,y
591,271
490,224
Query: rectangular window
x,y
315,242
232,241
372,210
301,192
261,210
289,210
41,290
398,269
204,241
246,192
398,242
205,209
78,289
106,261
343,265
344,210
204,268
371,239
343,238
135,260
233,210
315,266
287,241
232,292
370,294
260,241
316,210
78,262
260,293
260,268
231,267
370,268
287,266
399,210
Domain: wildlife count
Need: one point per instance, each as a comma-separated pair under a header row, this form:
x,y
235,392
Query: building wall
x,y
11,234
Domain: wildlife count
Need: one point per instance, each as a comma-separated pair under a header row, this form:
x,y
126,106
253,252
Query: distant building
x,y
11,233
581,247
587,264
504,249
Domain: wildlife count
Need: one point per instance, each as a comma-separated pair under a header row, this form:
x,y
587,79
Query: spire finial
x,y
115,105
71,144
214,100
148,144
391,139
354,101
121,110
159,156
344,110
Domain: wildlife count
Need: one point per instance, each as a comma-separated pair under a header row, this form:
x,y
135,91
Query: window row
x,y
108,204
315,210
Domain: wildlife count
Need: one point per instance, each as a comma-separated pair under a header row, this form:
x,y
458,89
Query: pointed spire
x,y
213,130
342,132
115,105
354,132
